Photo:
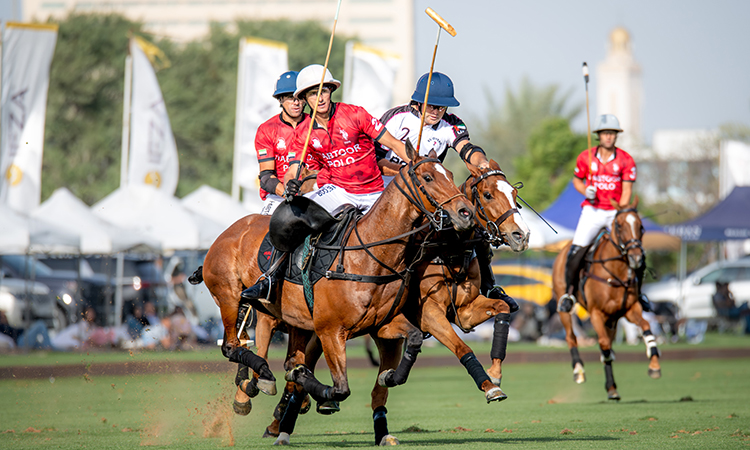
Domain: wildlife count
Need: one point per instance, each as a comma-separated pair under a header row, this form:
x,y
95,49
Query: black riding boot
x,y
572,269
642,299
262,289
487,284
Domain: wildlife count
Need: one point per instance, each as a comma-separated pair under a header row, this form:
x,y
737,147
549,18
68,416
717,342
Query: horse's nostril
x,y
517,235
463,212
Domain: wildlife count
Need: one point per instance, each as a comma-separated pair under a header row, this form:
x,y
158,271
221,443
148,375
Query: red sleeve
x,y
582,165
264,145
628,169
370,125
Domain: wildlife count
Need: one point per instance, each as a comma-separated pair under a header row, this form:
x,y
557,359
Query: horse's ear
x,y
410,152
614,204
475,171
494,165
432,154
634,205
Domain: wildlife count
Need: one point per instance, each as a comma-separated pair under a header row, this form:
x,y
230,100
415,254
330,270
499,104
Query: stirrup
x,y
565,303
645,303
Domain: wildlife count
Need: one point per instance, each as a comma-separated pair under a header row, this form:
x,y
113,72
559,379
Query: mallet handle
x,y
440,21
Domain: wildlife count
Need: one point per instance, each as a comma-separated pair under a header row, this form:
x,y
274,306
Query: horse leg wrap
x,y
243,373
304,377
401,374
500,336
289,418
281,407
475,369
259,365
575,356
610,379
651,348
607,356
380,423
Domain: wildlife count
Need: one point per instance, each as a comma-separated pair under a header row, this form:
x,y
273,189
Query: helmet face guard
x,y
441,90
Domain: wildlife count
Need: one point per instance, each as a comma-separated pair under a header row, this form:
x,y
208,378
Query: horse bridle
x,y
631,244
493,227
436,217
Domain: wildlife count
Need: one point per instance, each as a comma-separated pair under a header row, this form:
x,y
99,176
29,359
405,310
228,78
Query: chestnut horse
x,y
342,309
448,292
610,291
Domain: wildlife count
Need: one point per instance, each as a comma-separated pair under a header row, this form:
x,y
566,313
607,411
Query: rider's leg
x,y
639,274
262,288
572,269
487,284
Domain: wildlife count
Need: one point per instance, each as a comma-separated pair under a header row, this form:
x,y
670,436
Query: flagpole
x,y
239,120
127,99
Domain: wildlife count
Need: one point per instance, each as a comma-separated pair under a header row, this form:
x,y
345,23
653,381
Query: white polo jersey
x,y
403,122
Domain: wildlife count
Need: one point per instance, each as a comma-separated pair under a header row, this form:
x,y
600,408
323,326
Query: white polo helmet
x,y
607,122
310,76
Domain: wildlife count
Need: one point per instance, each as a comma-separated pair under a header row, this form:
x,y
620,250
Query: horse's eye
x,y
488,196
427,178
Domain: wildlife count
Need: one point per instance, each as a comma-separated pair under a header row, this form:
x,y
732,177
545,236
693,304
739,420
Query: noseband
x,y
492,228
436,217
630,244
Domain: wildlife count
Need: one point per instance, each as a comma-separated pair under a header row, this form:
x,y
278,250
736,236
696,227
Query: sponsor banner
x,y
261,62
153,156
27,55
369,78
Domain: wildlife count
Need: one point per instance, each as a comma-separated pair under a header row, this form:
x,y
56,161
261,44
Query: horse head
x,y
627,231
432,190
497,212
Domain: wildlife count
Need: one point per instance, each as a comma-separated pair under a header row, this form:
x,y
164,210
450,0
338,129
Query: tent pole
x,y
682,273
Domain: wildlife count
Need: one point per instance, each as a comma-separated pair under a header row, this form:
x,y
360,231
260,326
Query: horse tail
x,y
197,276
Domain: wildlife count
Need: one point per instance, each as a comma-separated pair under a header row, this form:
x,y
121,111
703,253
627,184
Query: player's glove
x,y
292,187
591,192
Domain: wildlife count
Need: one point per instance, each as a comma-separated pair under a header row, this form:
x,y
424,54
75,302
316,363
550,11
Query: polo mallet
x,y
444,26
320,89
245,342
588,117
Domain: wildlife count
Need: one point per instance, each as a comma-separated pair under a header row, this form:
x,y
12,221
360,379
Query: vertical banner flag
x,y
27,55
153,152
369,78
260,64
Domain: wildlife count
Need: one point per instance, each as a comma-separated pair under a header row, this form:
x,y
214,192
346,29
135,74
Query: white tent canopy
x,y
542,235
214,212
97,236
149,211
20,234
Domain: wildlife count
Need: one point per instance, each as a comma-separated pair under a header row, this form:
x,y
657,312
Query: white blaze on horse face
x,y
440,169
507,189
630,219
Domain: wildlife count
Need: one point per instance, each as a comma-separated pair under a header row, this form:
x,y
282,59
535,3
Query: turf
x,y
697,404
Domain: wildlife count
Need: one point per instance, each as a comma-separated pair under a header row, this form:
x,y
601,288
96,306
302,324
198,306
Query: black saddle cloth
x,y
318,260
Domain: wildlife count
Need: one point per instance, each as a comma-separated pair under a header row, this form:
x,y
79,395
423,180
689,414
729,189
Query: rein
x,y
492,228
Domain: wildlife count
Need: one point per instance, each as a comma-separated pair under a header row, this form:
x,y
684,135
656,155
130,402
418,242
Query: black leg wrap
x,y
380,423
315,388
259,365
280,409
404,367
610,379
289,418
475,369
500,336
243,373
575,356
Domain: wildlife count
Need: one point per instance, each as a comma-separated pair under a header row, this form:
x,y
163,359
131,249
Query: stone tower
x,y
619,90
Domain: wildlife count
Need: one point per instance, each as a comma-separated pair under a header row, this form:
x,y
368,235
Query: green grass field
x,y
696,404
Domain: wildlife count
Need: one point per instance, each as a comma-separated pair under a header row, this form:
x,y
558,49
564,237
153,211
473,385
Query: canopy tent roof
x,y
96,235
214,211
20,234
729,219
150,211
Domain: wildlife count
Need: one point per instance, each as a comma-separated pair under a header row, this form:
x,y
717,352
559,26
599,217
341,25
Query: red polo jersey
x,y
607,176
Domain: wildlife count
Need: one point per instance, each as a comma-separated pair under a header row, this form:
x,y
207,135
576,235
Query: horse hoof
x,y
328,407
305,405
267,387
249,388
495,381
654,373
495,394
579,375
383,377
268,433
613,395
388,441
283,439
242,409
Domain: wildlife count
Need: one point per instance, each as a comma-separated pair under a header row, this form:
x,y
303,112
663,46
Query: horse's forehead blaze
x,y
441,170
505,187
631,219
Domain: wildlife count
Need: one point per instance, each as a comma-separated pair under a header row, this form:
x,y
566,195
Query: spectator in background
x,y
85,333
726,307
181,333
34,337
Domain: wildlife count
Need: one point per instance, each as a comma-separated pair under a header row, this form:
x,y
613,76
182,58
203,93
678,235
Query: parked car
x,y
25,301
699,287
67,287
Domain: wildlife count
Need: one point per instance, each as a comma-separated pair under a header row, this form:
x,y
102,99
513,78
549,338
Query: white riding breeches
x,y
270,204
330,197
591,221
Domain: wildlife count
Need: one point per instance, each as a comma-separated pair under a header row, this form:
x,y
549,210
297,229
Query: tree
x,y
505,133
547,165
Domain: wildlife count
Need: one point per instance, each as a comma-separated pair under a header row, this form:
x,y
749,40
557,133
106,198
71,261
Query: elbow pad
x,y
268,181
468,150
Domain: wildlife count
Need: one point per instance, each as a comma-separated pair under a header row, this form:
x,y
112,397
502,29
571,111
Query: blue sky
x,y
695,55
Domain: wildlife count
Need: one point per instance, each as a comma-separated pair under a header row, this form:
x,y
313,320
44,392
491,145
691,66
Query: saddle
x,y
307,259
